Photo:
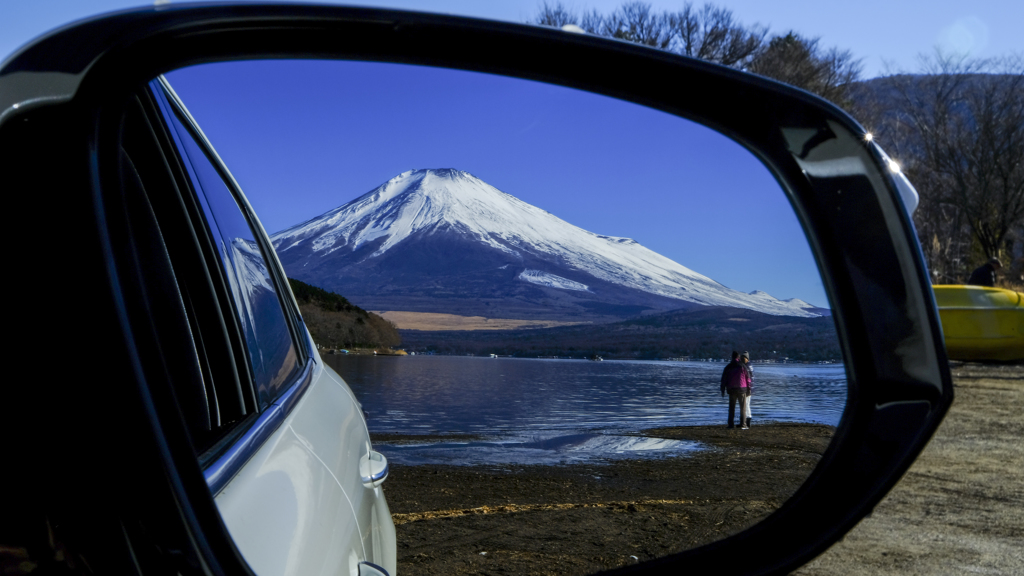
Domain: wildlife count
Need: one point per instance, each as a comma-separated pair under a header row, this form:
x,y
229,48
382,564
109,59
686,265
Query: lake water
x,y
552,411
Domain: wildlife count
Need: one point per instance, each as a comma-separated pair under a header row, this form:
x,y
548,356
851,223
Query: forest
x,y
334,322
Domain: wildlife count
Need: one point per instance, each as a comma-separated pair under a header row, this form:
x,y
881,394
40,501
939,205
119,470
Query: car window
x,y
272,353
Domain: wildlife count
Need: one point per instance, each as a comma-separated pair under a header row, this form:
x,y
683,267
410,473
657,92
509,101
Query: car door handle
x,y
373,469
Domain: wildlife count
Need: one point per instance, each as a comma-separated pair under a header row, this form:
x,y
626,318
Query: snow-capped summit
x,y
798,303
421,200
445,235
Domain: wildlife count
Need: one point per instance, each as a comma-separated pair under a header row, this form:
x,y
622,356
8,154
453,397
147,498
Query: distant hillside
x,y
880,104
335,322
711,332
959,137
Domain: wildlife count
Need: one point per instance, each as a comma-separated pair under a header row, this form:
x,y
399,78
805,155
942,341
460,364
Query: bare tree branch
x,y
711,33
636,22
555,14
959,129
799,61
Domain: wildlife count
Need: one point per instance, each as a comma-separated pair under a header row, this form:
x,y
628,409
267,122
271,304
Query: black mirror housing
x,y
61,100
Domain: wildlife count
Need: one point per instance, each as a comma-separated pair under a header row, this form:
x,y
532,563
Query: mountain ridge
x,y
442,240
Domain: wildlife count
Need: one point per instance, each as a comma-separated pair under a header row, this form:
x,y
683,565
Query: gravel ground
x,y
960,507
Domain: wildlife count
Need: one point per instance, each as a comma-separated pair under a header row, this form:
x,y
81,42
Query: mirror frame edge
x,y
137,45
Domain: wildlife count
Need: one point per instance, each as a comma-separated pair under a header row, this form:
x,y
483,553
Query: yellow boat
x,y
981,323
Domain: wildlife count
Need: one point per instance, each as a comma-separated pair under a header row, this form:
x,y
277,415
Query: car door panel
x,y
342,445
286,512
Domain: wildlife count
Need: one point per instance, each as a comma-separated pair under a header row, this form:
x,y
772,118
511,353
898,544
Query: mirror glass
x,y
557,280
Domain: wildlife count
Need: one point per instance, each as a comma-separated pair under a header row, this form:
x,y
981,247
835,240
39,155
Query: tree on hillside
x,y
958,128
800,62
333,321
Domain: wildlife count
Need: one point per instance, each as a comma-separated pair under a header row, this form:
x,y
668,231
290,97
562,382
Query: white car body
x,y
299,506
298,487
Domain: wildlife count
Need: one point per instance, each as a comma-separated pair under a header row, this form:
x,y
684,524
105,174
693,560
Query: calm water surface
x,y
550,411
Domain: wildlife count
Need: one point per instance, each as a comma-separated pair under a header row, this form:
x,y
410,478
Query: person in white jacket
x,y
745,359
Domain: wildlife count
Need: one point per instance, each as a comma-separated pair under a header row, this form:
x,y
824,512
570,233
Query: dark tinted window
x,y
271,352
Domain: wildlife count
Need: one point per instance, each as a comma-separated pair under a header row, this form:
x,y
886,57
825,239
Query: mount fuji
x,y
446,241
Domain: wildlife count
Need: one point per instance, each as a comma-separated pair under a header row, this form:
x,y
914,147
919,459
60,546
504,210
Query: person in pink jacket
x,y
736,380
745,359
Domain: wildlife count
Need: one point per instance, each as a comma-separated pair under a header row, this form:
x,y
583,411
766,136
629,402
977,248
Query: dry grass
x,y
432,321
631,505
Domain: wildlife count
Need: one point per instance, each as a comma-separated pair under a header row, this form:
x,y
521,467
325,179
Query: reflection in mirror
x,y
568,275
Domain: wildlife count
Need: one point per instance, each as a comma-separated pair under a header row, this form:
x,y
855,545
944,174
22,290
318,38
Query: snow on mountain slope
x,y
450,201
551,280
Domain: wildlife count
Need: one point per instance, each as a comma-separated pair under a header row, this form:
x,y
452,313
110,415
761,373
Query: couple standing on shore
x,y
738,380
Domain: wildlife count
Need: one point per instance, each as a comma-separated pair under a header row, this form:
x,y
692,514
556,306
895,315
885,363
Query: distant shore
x,y
362,352
430,321
565,355
702,332
582,518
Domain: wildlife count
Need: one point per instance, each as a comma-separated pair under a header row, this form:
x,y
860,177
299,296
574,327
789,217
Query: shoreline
x,y
712,434
586,517
578,357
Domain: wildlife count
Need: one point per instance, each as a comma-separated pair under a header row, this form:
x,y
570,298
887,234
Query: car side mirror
x,y
62,99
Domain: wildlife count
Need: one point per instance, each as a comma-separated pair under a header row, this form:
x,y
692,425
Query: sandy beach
x,y
579,519
961,504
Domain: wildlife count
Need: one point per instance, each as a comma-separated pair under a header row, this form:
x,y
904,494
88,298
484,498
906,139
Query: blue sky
x,y
303,138
874,30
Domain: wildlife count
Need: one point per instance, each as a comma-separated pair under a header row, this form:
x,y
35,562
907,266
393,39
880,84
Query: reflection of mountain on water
x,y
537,450
607,443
